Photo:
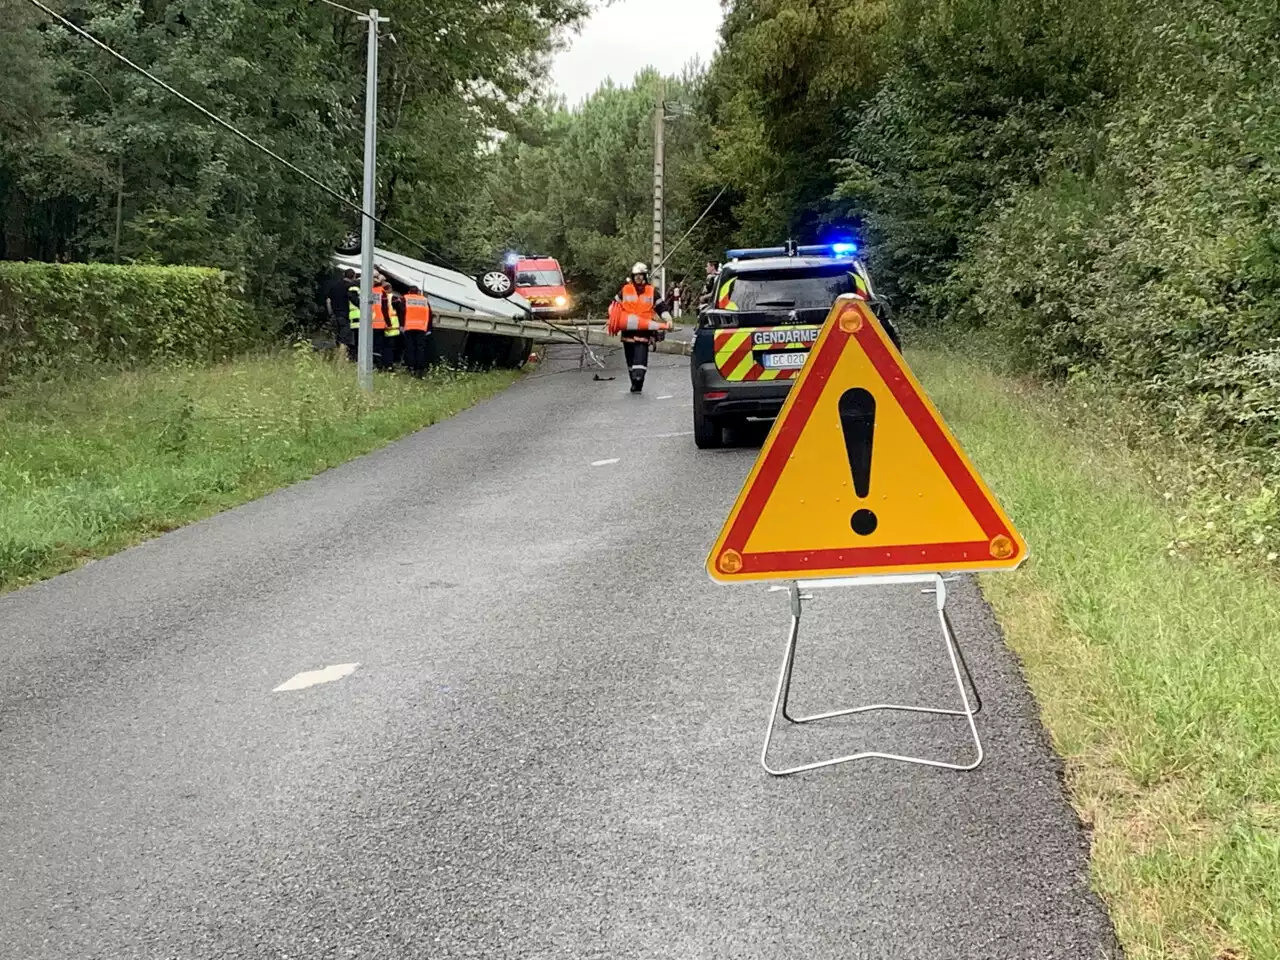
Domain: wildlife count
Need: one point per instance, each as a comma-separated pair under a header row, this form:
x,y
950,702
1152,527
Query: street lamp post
x,y
364,352
660,118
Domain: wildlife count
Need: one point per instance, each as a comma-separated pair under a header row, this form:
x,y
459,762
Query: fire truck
x,y
540,281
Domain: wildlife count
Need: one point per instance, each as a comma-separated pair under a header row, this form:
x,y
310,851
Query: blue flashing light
x,y
842,248
513,259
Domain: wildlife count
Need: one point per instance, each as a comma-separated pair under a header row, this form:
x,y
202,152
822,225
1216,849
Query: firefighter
x,y
642,320
417,325
386,325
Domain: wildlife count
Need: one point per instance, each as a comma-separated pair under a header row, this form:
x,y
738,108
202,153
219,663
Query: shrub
x,y
55,316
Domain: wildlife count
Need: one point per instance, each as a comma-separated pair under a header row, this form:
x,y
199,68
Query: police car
x,y
766,309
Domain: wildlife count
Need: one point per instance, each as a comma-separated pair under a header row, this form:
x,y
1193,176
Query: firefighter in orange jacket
x,y
386,325
643,319
417,325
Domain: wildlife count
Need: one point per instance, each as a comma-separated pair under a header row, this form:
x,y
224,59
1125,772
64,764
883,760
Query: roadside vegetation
x,y
96,462
1156,664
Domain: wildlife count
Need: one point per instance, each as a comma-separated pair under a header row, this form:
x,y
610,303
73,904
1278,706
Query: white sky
x,y
623,38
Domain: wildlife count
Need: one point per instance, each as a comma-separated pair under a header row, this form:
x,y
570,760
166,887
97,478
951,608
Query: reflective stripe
x,y
722,298
640,323
638,366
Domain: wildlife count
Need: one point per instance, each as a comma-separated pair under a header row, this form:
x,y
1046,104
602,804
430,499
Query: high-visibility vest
x,y
638,303
353,309
417,312
381,321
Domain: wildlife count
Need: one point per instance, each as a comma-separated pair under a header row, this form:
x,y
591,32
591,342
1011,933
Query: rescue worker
x,y
353,314
417,325
386,325
642,320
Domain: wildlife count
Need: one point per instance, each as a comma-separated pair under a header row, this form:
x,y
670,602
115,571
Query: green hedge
x,y
55,316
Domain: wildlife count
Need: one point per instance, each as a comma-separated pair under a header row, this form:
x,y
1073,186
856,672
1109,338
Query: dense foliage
x,y
98,163
577,183
1093,181
53,316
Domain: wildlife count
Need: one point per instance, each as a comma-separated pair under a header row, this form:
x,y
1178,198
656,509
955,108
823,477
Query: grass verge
x,y
1157,671
91,466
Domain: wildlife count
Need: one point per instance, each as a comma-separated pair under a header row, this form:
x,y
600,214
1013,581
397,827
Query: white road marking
x,y
605,463
666,396
668,436
310,678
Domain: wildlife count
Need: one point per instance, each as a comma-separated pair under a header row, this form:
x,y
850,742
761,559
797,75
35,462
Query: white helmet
x,y
639,268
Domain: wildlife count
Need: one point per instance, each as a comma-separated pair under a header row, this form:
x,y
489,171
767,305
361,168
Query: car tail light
x,y
715,395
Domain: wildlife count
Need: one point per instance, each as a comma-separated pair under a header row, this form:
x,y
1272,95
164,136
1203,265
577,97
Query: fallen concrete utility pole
x,y
540,332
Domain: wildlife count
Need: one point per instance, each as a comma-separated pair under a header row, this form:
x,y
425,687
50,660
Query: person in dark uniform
x,y
643,319
337,308
416,320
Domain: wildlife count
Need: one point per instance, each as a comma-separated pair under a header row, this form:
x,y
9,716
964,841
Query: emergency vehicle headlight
x,y
561,301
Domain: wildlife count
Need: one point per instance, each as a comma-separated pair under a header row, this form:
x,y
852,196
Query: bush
x,y
1160,273
55,316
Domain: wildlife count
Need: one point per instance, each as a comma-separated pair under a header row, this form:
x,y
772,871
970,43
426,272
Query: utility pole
x,y
659,161
364,352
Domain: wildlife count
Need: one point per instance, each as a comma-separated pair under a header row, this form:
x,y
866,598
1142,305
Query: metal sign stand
x,y
935,585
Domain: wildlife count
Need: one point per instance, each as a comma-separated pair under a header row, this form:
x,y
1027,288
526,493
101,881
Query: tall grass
x,y
93,464
1157,671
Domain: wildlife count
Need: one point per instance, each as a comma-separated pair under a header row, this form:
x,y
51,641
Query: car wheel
x,y
706,430
496,284
350,244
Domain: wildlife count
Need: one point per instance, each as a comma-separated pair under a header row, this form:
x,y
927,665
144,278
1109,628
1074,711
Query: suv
x,y
766,309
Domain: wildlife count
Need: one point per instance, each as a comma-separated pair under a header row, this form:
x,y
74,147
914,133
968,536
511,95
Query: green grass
x,y
1157,669
91,466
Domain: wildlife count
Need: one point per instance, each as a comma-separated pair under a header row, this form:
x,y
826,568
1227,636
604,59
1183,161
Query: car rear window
x,y
784,290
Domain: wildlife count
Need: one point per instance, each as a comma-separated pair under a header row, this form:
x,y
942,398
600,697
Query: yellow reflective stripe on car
x,y
733,354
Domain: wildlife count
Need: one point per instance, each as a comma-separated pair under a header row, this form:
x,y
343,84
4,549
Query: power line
x,y
681,241
242,135
358,13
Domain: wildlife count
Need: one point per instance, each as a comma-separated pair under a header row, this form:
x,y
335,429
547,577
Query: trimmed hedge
x,y
54,316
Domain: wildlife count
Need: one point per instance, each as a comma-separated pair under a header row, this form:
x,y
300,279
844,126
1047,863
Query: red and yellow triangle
x,y
802,513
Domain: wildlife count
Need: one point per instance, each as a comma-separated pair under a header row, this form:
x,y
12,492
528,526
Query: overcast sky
x,y
622,39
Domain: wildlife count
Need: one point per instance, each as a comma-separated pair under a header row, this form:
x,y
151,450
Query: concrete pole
x,y
659,161
364,355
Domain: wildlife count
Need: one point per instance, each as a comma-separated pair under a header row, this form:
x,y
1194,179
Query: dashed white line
x,y
666,396
668,436
605,463
310,678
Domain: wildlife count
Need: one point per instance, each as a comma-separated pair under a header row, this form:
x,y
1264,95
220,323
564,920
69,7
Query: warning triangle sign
x,y
860,476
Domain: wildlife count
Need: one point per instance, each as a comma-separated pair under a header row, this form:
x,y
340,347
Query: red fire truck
x,y
540,281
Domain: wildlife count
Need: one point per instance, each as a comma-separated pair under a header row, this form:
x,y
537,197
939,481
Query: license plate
x,y
789,360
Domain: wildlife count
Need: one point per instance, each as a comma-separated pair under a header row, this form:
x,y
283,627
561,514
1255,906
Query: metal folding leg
x,y
959,668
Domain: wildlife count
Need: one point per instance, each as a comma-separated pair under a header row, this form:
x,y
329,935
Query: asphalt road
x,y
549,746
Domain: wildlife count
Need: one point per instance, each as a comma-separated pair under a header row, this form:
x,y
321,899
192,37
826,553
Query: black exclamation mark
x,y
858,421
